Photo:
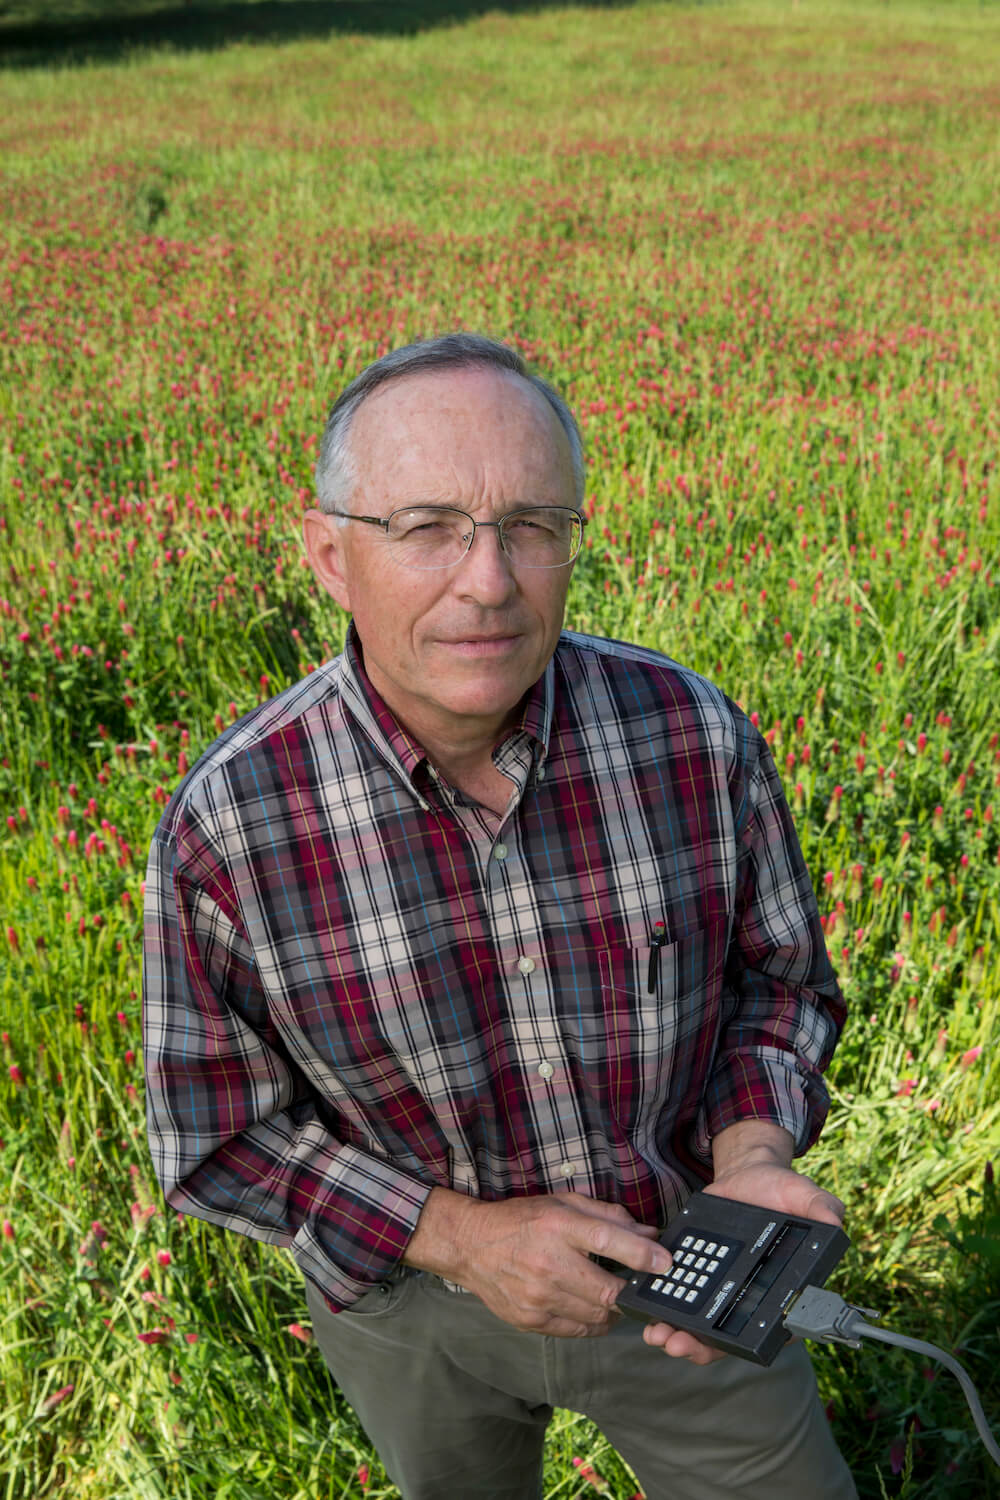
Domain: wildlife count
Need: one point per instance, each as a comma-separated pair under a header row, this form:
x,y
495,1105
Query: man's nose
x,y
485,571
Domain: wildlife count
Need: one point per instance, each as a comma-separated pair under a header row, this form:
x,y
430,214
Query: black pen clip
x,y
658,940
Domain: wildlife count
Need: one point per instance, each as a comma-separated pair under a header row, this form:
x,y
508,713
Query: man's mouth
x,y
481,645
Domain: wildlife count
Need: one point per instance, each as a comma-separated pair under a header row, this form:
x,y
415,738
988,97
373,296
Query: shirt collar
x,y
375,715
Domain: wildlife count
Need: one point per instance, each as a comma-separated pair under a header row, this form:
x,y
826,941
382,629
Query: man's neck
x,y
460,747
467,763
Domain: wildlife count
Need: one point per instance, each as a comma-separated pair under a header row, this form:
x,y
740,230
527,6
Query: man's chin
x,y
483,694
498,704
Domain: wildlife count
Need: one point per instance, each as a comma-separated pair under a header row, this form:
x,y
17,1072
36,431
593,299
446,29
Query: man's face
x,y
454,650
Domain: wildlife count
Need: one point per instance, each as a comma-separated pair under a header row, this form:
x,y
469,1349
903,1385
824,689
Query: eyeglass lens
x,y
432,537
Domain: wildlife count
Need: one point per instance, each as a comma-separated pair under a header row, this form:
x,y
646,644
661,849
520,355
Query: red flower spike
x,y
57,1398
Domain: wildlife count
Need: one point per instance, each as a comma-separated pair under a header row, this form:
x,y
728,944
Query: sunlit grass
x,y
756,245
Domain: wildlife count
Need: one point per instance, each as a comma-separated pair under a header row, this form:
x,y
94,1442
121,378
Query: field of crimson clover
x,y
759,250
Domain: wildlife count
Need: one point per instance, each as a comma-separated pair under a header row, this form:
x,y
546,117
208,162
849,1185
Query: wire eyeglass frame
x,y
498,526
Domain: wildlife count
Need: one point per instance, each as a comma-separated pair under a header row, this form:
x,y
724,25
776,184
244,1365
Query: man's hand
x,y
527,1258
752,1165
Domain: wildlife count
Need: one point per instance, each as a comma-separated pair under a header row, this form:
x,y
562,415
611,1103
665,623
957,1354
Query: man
x,y
469,956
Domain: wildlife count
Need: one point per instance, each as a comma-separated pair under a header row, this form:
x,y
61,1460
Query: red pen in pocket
x,y
658,940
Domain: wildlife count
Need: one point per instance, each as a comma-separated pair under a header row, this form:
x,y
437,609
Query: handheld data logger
x,y
737,1269
746,1280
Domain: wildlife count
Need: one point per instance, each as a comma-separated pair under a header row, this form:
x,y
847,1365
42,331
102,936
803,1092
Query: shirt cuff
x,y
769,1085
347,1247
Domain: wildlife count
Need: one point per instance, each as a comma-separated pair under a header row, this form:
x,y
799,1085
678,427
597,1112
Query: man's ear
x,y
324,541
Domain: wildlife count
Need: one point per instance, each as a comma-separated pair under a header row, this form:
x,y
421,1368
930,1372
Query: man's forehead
x,y
480,435
468,399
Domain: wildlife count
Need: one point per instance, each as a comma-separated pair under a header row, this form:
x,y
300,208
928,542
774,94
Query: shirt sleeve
x,y
783,1008
236,1134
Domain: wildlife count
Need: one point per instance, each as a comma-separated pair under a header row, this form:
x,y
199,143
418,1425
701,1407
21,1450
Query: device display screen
x,y
762,1279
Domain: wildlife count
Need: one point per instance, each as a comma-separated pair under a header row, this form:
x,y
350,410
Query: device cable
x,y
826,1317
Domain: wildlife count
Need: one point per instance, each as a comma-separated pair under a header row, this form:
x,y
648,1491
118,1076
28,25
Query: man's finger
x,y
679,1344
567,1313
814,1202
780,1188
596,1208
832,1204
564,1328
635,1251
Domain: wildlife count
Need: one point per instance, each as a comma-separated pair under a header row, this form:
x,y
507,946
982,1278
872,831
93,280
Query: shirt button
x,y
545,1070
500,852
526,965
567,1169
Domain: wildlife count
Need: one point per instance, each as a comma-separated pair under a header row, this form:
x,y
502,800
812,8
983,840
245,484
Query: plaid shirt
x,y
356,986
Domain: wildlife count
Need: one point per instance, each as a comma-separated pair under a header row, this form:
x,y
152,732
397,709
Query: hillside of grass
x,y
756,246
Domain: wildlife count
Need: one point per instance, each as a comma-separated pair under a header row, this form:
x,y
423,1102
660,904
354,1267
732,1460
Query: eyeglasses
x,y
436,536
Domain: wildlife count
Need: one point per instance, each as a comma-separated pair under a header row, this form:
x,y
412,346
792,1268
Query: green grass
x,y
756,245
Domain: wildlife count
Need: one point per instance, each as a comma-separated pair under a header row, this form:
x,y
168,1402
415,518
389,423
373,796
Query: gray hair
x,y
336,472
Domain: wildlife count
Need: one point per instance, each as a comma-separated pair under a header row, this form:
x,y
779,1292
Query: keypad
x,y
699,1267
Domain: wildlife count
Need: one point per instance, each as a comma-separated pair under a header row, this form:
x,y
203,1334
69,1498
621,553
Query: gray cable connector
x,y
823,1315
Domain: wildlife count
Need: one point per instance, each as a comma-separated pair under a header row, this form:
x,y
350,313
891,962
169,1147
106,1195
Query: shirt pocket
x,y
660,1036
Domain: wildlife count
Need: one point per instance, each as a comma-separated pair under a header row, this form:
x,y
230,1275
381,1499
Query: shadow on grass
x,y
33,34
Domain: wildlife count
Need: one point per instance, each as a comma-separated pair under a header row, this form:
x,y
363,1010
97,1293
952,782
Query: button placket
x,y
515,922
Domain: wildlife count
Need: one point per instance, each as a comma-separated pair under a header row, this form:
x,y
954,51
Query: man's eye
x,y
417,526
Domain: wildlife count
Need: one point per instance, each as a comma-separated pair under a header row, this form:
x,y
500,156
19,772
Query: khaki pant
x,y
456,1403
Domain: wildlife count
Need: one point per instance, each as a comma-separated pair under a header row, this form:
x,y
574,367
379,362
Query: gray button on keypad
x,y
697,1271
